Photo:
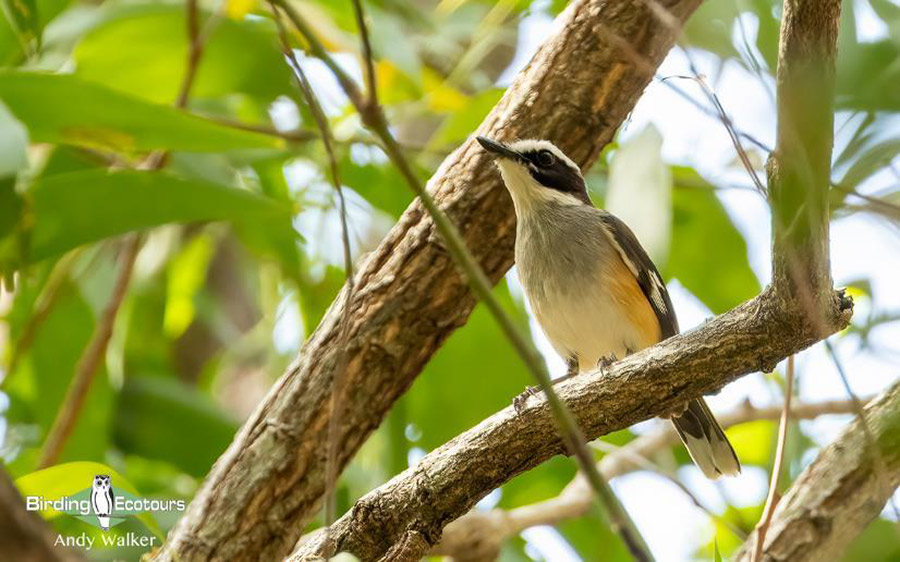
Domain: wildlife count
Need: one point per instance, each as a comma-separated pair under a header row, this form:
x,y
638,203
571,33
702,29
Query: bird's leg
x,y
675,411
604,362
571,371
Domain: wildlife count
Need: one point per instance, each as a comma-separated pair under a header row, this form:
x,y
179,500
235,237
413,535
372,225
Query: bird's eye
x,y
545,158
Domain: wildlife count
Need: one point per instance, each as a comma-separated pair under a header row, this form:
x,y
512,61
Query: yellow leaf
x,y
238,9
442,97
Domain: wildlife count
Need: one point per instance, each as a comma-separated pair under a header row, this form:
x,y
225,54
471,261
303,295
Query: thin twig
x,y
859,410
337,384
572,436
729,126
368,59
95,352
772,498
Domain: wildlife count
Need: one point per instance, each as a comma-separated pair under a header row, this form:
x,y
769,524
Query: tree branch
x,y
24,536
447,482
799,170
575,92
479,535
840,493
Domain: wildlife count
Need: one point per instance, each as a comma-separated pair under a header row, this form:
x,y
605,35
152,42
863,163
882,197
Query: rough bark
x,y
447,482
24,536
840,493
410,297
480,535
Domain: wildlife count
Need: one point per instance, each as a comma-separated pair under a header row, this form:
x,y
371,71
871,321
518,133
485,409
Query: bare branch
x,y
837,495
480,534
24,536
368,60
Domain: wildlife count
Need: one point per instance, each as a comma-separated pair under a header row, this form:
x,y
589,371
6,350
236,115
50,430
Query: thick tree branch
x,y
575,92
479,535
447,482
839,493
24,536
799,170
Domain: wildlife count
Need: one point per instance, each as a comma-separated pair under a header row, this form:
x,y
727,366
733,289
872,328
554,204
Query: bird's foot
x,y
604,362
520,400
675,411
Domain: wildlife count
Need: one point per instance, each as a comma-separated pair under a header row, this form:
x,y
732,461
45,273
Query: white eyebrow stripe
x,y
529,145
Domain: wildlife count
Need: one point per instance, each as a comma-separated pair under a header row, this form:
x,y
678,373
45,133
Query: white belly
x,y
586,324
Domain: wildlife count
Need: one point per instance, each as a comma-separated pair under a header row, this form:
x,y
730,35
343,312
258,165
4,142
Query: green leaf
x,y
99,118
640,191
441,402
23,15
460,124
13,143
867,75
38,385
708,255
878,543
70,478
83,207
162,418
238,56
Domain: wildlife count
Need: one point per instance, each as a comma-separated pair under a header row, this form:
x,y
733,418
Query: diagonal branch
x,y
840,493
481,534
575,92
24,536
447,482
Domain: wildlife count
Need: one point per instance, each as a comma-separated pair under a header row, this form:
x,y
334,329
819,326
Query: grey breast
x,y
559,249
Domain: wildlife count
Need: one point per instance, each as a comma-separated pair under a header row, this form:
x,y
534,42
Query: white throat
x,y
527,194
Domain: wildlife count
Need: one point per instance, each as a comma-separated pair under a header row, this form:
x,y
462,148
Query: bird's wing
x,y
112,500
643,268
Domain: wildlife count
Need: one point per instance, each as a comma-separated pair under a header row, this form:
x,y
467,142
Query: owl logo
x,y
102,499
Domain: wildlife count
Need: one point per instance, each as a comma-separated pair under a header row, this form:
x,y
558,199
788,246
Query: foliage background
x,y
242,253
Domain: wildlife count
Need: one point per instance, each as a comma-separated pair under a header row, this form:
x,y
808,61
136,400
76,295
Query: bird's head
x,y
537,172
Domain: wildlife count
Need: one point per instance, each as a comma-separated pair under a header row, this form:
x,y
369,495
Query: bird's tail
x,y
706,442
104,522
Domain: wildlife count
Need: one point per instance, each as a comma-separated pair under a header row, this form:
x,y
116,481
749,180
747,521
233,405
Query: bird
x,y
591,286
102,499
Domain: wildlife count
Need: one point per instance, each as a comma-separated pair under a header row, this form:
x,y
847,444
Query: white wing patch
x,y
656,291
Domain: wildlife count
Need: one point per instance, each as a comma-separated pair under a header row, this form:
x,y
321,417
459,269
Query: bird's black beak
x,y
497,148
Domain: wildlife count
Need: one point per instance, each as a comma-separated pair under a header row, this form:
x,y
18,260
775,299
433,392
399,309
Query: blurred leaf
x,y
82,207
460,124
23,14
391,41
708,255
871,161
13,143
477,355
238,56
379,183
878,543
867,75
593,539
710,28
162,418
640,192
70,478
186,276
38,385
100,118
754,442
717,556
